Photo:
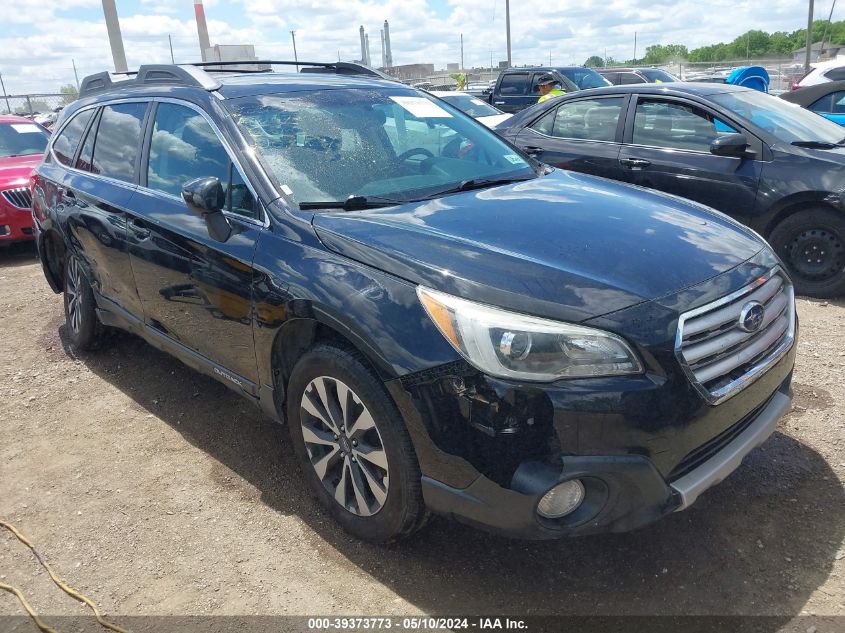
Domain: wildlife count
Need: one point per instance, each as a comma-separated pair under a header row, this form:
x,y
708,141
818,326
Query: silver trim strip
x,y
735,386
723,463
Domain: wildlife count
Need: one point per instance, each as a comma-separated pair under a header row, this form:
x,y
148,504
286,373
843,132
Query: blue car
x,y
826,99
444,324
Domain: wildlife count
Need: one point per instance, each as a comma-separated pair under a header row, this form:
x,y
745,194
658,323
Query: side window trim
x,y
262,217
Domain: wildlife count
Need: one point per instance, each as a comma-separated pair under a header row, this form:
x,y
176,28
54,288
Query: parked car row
x,y
22,144
765,162
445,323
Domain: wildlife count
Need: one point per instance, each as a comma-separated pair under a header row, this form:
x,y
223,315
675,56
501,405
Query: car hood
x,y
15,170
566,246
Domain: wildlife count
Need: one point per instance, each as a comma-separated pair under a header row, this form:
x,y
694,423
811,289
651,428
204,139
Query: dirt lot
x,y
155,490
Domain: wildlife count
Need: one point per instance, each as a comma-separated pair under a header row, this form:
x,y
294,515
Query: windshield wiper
x,y
352,203
816,144
479,183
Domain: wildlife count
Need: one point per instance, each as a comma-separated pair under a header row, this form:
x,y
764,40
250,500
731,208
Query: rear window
x,y
21,139
118,141
64,147
655,75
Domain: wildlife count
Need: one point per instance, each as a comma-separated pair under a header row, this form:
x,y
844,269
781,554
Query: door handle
x,y
635,163
139,229
498,103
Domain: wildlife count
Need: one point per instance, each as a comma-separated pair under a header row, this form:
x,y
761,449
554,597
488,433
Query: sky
x,y
40,41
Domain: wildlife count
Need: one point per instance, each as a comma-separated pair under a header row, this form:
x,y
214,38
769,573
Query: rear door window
x,y
86,154
589,119
64,147
118,140
514,84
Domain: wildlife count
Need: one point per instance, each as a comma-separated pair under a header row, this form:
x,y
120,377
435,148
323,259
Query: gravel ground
x,y
155,490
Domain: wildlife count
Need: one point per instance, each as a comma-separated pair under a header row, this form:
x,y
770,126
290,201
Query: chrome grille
x,y
20,197
724,348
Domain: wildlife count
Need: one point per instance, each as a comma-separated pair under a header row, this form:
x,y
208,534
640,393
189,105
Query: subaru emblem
x,y
751,317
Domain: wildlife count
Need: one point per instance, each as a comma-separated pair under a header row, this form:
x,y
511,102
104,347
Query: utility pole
x,y
462,51
5,96
635,47
295,58
508,27
550,58
170,41
809,39
75,74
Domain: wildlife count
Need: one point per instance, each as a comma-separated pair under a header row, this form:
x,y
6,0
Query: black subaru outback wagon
x,y
445,324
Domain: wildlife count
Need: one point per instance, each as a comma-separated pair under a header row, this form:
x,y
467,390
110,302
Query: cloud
x,y
39,45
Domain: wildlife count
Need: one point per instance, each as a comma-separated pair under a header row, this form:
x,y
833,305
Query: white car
x,y
474,107
822,72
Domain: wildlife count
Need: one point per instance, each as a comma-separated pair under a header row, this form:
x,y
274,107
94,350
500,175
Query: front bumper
x,y
15,225
623,492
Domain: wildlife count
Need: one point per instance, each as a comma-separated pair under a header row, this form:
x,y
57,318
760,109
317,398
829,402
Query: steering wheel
x,y
414,151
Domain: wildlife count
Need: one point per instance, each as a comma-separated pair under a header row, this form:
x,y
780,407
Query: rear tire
x,y
352,445
83,326
812,245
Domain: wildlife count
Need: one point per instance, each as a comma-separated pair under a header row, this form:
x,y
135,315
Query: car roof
x,y
677,88
545,69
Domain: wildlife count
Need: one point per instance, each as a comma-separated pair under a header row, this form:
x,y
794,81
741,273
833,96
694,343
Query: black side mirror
x,y
205,197
735,145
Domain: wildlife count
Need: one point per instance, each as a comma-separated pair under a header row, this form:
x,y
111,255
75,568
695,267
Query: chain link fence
x,y
43,107
782,72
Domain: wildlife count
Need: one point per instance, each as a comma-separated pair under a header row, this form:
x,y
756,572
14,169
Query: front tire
x,y
80,307
353,447
812,245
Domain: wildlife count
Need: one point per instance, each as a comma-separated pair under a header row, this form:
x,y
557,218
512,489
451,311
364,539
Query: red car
x,y
22,144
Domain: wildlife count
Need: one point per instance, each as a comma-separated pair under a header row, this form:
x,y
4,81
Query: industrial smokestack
x,y
202,28
363,45
388,54
115,38
367,40
383,56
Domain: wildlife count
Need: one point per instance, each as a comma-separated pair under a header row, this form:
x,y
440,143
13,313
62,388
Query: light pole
x,y
809,39
5,96
295,58
508,27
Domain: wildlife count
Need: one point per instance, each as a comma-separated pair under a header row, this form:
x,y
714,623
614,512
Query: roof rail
x,y
198,74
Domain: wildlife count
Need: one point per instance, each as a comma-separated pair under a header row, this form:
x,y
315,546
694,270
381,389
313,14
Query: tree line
x,y
750,45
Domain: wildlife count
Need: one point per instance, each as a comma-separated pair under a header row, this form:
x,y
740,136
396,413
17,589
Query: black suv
x,y
519,88
445,324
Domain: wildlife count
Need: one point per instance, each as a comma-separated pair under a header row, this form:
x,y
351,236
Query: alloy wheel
x,y
74,295
344,446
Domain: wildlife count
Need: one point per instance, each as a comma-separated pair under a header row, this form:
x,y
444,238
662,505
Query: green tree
x,y
594,62
69,93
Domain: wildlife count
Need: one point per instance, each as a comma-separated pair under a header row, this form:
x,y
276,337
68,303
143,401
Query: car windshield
x,y
655,75
586,78
787,121
20,139
470,105
392,144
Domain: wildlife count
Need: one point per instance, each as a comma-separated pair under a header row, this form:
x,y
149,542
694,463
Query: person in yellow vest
x,y
548,86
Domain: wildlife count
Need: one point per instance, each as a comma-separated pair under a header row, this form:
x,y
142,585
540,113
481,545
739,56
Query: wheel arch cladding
x,y
53,255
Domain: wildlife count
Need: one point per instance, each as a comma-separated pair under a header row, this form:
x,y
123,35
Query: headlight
x,y
510,345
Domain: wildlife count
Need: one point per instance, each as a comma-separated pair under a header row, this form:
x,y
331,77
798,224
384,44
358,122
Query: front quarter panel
x,y
379,314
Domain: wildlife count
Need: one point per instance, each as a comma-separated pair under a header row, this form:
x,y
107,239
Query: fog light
x,y
561,500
